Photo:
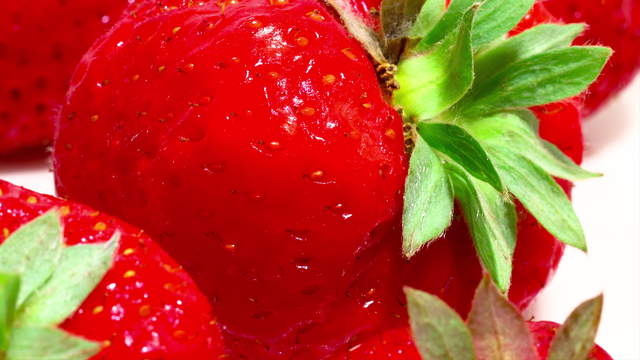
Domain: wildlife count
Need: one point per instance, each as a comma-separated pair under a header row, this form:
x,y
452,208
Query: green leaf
x,y
80,270
492,221
575,338
433,81
541,195
496,17
461,147
431,12
447,24
50,344
534,41
537,80
9,289
428,199
361,32
32,252
513,132
438,331
497,327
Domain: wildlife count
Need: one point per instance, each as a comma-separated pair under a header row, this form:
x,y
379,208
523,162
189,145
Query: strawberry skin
x,y
40,44
614,23
279,161
146,307
239,157
397,344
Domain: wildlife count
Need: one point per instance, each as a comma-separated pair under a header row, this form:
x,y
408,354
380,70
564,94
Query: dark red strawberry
x,y
613,23
257,133
145,306
40,44
532,340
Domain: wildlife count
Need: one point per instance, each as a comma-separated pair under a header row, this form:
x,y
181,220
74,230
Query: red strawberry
x,y
145,306
258,133
40,44
399,343
614,23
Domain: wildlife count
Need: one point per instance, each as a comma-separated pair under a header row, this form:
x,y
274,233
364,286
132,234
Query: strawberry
x,y
108,293
258,133
40,44
533,340
614,23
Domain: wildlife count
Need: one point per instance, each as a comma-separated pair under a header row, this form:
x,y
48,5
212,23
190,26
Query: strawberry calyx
x,y
494,329
42,283
464,88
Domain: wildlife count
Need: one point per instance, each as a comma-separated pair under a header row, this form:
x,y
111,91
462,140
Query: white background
x,y
609,208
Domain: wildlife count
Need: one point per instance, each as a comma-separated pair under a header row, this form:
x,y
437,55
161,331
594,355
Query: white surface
x,y
609,208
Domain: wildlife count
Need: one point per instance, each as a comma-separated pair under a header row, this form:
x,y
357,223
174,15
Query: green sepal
x,y
537,80
9,289
541,195
430,14
517,132
491,218
461,147
39,343
397,18
79,271
438,331
575,338
534,41
358,29
447,24
435,80
496,17
32,252
497,327
428,199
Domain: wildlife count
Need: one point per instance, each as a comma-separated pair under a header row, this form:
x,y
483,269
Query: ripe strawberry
x,y
40,44
614,23
141,305
257,133
399,343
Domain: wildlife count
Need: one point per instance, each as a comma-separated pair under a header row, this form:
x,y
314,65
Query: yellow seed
x,y
32,200
302,41
329,79
169,287
348,53
1,193
308,111
179,334
176,29
316,175
98,309
128,251
161,68
106,343
94,214
65,210
100,226
136,77
279,2
94,118
315,15
145,310
274,145
390,133
255,23
366,106
5,232
129,274
274,74
230,247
